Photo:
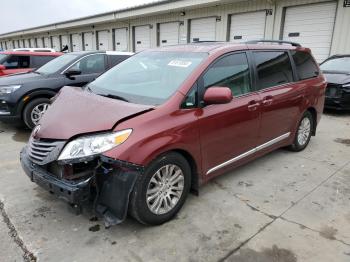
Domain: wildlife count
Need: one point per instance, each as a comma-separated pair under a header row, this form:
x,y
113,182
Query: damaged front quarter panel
x,y
115,181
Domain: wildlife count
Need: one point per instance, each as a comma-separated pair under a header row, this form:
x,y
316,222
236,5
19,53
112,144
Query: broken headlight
x,y
92,145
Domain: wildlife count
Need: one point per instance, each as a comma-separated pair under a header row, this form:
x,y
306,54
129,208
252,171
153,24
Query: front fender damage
x,y
113,188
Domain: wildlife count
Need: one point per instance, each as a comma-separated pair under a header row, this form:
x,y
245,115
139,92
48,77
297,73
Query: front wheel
x,y
34,111
303,133
161,191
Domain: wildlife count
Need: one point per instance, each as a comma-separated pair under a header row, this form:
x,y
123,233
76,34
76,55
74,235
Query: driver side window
x,y
231,71
90,64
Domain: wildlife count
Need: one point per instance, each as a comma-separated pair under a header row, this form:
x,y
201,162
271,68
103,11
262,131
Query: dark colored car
x,y
25,97
13,62
336,70
167,120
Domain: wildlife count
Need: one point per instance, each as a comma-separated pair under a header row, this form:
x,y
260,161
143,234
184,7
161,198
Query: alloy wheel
x,y
38,111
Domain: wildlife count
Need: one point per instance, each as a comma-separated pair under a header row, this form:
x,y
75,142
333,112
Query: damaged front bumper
x,y
107,182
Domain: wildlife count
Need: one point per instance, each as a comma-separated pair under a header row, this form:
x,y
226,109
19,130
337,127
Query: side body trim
x,y
250,152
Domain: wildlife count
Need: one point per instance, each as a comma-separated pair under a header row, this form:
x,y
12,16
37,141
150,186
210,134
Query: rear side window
x,y
15,61
305,64
274,68
91,64
38,61
231,71
116,59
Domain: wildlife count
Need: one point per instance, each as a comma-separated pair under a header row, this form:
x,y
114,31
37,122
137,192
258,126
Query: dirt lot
x,y
283,207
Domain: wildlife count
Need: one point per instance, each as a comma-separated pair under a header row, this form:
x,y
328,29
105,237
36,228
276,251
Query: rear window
x,y
305,65
274,68
38,61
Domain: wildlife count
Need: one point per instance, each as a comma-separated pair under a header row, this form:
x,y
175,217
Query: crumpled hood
x,y
337,78
77,112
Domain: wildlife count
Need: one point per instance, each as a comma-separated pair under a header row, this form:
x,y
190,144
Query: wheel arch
x,y
313,112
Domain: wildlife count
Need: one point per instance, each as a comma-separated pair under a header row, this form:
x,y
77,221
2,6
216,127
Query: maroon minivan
x,y
167,120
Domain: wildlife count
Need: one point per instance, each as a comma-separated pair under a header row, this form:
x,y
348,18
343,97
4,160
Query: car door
x,y
280,96
90,66
229,132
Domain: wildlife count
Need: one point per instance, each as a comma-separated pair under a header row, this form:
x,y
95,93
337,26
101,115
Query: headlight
x,y
4,90
93,145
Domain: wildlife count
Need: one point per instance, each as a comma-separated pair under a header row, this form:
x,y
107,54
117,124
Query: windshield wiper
x,y
115,97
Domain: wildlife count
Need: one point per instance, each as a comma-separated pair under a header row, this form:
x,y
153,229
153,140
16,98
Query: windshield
x,y
148,77
56,64
341,64
2,58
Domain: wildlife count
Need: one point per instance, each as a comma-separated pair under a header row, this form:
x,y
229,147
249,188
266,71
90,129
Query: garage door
x,y
76,42
64,41
27,43
203,29
142,39
103,40
39,42
88,41
121,37
169,33
47,42
9,45
247,26
32,42
311,26
56,43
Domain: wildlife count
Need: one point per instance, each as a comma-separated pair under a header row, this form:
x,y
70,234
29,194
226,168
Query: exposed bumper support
x,y
113,181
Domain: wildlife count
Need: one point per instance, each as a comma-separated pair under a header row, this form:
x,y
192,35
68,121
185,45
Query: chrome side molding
x,y
250,152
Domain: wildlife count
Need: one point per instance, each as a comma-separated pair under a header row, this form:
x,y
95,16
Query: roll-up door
x,y
76,42
27,43
88,41
247,26
47,42
39,42
312,26
203,29
142,37
64,41
103,40
169,33
121,38
56,43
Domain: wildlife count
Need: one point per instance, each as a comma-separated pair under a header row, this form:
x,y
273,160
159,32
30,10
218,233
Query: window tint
x,y
91,64
116,59
305,64
14,62
38,61
231,71
274,68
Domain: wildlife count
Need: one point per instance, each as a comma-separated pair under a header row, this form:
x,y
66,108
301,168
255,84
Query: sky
x,y
22,14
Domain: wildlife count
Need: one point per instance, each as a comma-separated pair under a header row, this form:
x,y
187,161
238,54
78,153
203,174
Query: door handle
x,y
267,100
252,105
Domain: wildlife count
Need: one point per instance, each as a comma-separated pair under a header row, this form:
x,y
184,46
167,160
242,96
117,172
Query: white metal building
x,y
322,25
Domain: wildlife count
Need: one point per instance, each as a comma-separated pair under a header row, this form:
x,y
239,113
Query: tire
x,y
140,209
28,110
303,132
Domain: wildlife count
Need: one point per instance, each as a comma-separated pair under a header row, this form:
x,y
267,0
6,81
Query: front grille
x,y
42,152
333,90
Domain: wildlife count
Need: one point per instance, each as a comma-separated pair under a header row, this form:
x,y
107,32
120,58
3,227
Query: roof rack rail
x,y
273,41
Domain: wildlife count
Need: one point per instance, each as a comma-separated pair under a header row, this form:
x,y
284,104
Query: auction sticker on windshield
x,y
179,63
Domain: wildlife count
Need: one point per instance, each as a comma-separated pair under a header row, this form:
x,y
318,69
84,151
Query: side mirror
x,y
2,67
70,73
217,95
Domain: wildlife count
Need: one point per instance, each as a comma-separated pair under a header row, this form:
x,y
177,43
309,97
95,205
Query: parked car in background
x,y
13,62
166,120
25,97
35,49
336,69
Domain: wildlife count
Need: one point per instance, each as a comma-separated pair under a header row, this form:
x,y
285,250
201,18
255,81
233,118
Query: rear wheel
x,y
303,133
34,111
161,191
